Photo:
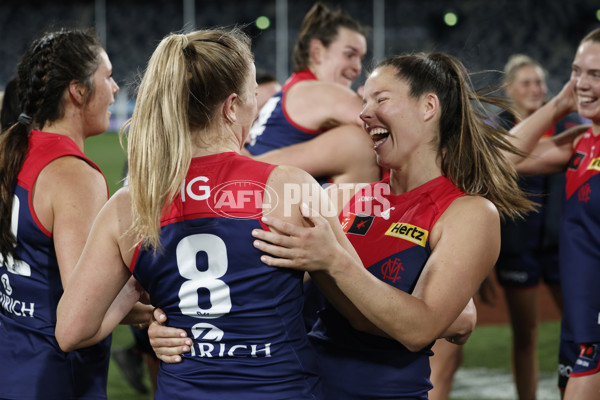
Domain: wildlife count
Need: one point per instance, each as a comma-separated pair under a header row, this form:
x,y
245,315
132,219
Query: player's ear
x,y
230,108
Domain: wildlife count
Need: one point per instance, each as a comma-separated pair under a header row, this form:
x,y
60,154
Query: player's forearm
x,y
400,315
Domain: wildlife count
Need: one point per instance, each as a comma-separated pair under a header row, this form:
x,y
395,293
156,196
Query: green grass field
x,y
106,151
488,348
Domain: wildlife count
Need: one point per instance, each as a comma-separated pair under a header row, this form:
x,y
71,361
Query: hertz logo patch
x,y
595,164
409,232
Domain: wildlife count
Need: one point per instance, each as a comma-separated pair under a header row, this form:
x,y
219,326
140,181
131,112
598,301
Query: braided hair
x,y
44,72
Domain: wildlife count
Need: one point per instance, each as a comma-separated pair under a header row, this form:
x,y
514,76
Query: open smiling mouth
x,y
379,136
586,100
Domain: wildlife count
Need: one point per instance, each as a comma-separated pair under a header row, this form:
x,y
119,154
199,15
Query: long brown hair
x,y
469,147
44,72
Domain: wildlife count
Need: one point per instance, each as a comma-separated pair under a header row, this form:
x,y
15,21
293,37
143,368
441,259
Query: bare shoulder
x,y
74,170
284,174
318,105
293,187
68,184
329,87
473,216
472,208
323,92
121,200
116,217
67,196
116,212
348,137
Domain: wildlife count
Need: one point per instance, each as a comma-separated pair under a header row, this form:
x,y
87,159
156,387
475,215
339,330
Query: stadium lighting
x,y
262,22
450,18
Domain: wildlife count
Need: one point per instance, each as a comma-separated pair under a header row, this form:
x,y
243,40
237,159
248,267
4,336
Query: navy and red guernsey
x,y
580,244
244,317
390,233
274,128
32,365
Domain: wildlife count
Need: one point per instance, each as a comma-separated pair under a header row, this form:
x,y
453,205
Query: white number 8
x,y
216,253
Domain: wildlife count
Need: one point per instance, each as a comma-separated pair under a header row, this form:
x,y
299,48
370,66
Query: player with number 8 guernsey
x,y
183,227
239,312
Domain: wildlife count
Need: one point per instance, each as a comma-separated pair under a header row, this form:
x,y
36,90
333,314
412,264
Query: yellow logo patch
x,y
408,232
595,164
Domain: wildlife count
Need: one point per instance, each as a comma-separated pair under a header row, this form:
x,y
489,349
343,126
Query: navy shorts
x,y
526,270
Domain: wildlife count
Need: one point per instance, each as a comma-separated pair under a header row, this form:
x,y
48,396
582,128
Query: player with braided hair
x,y
50,193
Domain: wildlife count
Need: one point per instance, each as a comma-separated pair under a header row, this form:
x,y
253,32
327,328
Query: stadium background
x,y
485,34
